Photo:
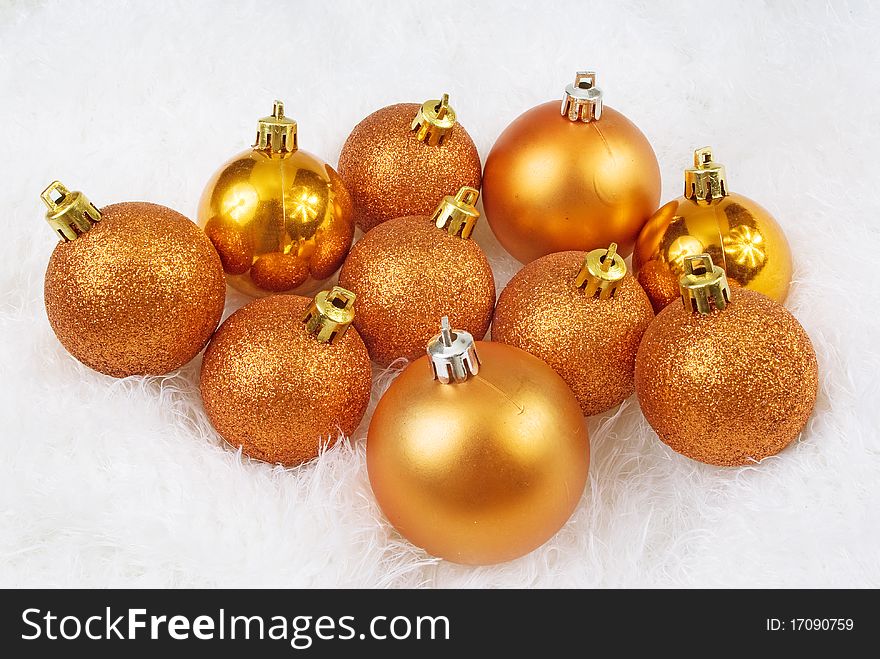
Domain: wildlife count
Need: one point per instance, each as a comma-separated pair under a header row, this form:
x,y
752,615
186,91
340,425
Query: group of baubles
x,y
478,451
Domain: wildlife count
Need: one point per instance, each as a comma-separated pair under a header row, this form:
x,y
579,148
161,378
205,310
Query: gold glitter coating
x,y
590,342
739,235
274,390
391,174
480,471
280,222
408,274
730,387
139,294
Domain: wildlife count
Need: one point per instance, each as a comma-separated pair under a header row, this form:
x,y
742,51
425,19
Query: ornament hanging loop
x,y
330,314
70,214
707,180
582,100
703,285
433,121
453,354
601,273
458,215
276,134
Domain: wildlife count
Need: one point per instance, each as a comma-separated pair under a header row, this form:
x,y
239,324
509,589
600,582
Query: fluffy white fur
x,y
124,483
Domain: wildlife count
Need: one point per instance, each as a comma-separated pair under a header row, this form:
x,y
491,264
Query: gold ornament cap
x,y
433,121
582,100
453,354
601,273
70,214
703,285
458,215
707,180
330,314
276,133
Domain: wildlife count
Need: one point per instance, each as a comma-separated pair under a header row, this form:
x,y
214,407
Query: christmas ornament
x,y
131,289
734,230
584,315
578,180
478,451
729,377
279,217
285,374
401,159
410,271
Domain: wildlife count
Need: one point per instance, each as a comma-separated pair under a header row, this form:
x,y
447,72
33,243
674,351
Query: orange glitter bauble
x,y
482,469
138,293
407,274
393,170
277,390
575,181
588,335
727,386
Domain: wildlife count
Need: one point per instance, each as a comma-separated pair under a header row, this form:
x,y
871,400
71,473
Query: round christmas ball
x,y
729,377
478,452
285,375
133,288
411,271
739,234
578,179
583,314
401,159
279,217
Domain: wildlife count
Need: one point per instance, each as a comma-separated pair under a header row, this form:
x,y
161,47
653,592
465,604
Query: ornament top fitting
x,y
703,285
707,180
582,100
330,314
458,215
601,273
70,214
453,354
433,120
276,133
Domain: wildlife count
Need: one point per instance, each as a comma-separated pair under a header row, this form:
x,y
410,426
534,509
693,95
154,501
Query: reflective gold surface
x,y
480,471
281,222
551,184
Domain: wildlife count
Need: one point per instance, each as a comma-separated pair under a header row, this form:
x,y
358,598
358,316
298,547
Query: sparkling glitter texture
x,y
138,294
591,343
391,174
273,389
408,274
730,387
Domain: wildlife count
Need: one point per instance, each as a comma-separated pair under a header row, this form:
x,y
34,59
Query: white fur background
x,y
123,483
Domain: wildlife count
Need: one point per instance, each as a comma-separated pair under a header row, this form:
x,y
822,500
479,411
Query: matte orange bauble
x,y
401,159
725,376
583,314
411,271
740,235
477,452
131,289
285,375
279,217
576,180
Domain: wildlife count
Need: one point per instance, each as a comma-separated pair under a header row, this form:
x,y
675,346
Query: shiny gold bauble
x,y
551,184
280,218
407,274
392,170
729,387
740,235
589,339
480,471
270,387
139,293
